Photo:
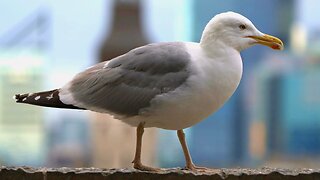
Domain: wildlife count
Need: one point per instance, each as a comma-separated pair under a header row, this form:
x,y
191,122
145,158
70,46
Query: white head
x,y
236,31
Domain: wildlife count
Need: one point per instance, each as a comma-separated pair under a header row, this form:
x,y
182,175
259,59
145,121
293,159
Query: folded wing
x,y
128,83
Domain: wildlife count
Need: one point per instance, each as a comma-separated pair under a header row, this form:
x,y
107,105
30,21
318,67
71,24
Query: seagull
x,y
168,85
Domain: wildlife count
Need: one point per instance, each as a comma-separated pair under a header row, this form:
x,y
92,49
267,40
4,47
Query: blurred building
x,y
22,135
287,95
22,132
69,142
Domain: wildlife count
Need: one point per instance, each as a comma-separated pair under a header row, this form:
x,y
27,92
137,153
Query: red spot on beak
x,y
275,46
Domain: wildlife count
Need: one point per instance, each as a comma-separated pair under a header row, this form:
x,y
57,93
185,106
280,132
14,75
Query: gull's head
x,y
235,31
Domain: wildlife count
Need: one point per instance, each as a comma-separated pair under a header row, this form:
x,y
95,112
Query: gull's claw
x,y
195,168
142,167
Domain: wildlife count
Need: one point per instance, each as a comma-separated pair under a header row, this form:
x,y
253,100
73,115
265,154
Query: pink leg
x,y
189,163
137,158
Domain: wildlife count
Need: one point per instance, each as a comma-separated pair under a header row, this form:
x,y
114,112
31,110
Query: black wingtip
x,y
45,98
19,97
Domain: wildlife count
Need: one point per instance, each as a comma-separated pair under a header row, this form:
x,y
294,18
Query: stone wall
x,y
25,173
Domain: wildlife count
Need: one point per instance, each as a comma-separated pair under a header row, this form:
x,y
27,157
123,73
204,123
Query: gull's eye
x,y
242,27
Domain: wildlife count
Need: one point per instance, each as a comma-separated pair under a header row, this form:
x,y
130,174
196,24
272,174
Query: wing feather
x,y
129,82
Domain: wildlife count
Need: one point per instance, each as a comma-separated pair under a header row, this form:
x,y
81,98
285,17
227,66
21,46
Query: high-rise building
x,y
22,135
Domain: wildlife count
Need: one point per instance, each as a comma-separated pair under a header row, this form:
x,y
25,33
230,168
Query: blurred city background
x,y
273,119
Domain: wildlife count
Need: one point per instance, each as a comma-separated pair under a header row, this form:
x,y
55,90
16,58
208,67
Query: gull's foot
x,y
142,167
193,167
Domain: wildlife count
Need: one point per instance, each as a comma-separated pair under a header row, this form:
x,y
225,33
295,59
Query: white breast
x,y
211,84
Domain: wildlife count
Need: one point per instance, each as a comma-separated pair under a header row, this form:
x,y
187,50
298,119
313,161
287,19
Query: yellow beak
x,y
270,41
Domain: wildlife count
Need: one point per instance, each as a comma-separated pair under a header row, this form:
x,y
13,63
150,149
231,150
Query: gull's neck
x,y
222,60
213,46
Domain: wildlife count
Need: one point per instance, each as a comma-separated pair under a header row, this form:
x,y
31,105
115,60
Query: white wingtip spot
x,y
24,99
50,97
14,97
37,98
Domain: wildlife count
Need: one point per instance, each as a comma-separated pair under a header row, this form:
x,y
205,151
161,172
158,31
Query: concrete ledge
x,y
15,173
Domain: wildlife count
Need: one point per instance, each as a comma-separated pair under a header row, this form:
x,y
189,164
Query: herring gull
x,y
169,85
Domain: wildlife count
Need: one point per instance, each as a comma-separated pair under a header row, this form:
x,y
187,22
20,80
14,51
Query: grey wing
x,y
128,83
